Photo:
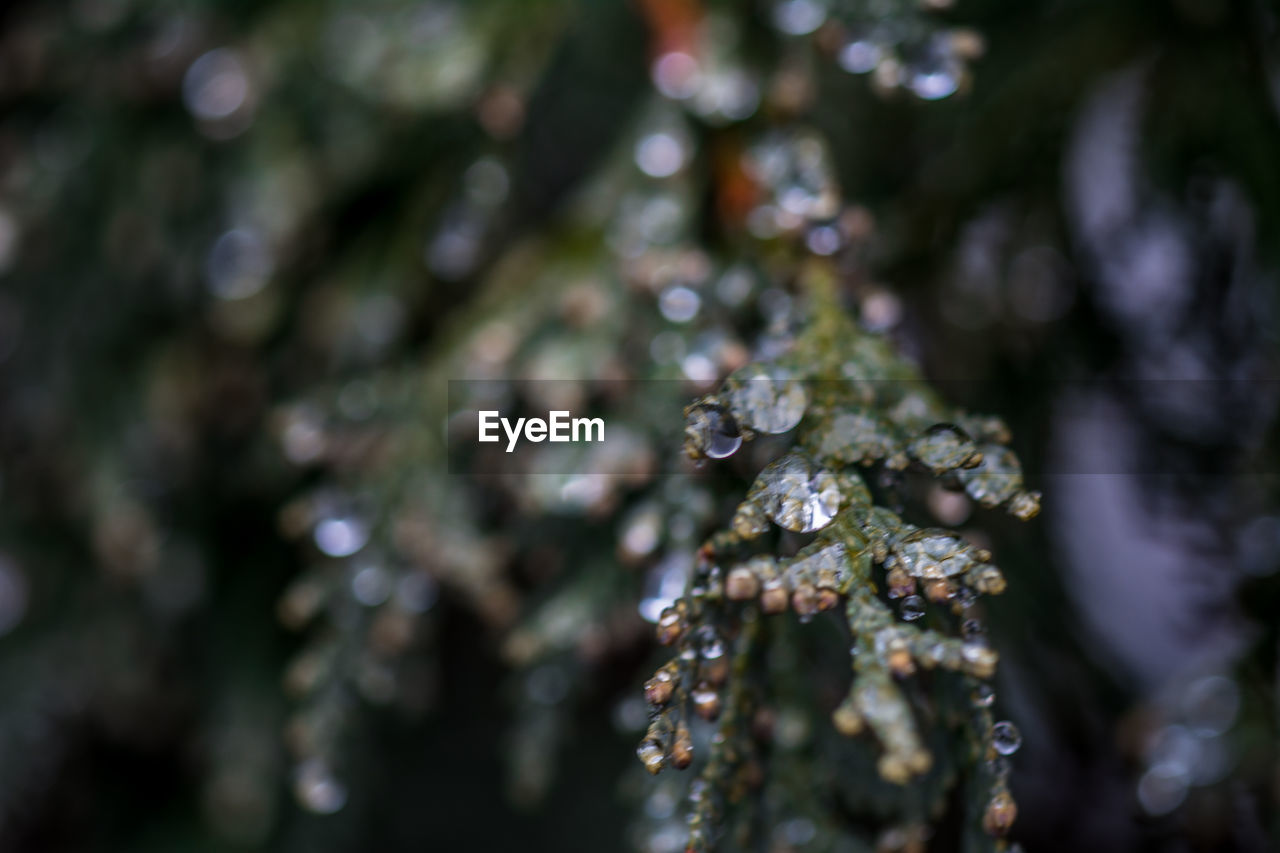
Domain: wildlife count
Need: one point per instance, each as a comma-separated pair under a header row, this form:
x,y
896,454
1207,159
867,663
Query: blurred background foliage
x,y
244,247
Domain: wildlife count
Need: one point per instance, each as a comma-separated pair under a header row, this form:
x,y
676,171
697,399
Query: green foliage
x,y
259,261
877,413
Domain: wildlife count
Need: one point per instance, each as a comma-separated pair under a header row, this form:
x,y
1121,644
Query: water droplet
x,y
726,93
1162,789
371,585
932,554
799,17
215,85
663,585
641,531
823,240
660,155
996,479
766,398
942,448
699,368
911,608
935,84
651,755
238,265
983,696
798,171
860,56
679,304
676,75
796,494
711,431
341,537
317,789
1005,737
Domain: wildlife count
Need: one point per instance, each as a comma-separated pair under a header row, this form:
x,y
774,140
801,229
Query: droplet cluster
x,y
862,556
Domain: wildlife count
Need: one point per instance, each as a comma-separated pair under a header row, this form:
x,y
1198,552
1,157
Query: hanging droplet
x,y
658,690
996,480
796,494
944,447
937,72
911,608
706,701
1025,506
932,554
710,432
1005,737
766,398
983,696
651,755
670,626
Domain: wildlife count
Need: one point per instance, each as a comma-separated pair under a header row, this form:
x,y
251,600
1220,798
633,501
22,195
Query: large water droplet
x,y
931,554
679,304
943,447
712,432
911,608
766,398
796,494
1005,737
996,479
